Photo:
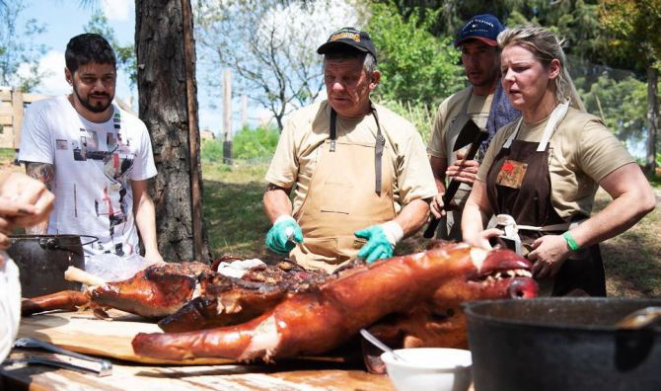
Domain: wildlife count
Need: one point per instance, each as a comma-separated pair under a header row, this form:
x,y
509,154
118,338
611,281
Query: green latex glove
x,y
377,246
283,234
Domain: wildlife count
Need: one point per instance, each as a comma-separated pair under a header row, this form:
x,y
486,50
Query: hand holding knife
x,y
479,135
289,231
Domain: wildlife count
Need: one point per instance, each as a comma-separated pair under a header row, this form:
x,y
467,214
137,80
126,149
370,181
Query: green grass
x,y
633,259
7,154
233,210
237,225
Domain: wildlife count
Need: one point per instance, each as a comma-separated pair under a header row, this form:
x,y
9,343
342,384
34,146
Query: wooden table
x,y
81,332
300,375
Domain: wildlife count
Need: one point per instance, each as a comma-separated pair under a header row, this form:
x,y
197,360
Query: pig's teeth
x,y
523,273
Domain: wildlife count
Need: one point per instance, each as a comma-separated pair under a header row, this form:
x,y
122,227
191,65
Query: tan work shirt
x,y
306,130
452,114
582,151
478,110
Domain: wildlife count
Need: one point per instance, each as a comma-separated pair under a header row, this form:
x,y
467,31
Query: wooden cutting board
x,y
83,333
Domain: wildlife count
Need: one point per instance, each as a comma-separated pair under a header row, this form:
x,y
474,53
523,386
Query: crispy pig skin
x,y
157,291
189,295
237,300
64,300
318,320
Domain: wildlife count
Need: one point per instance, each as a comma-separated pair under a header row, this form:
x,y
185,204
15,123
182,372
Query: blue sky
x,y
66,18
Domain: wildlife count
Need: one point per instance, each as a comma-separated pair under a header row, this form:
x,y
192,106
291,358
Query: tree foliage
x,y
19,54
619,102
247,144
271,46
126,58
634,30
255,143
416,67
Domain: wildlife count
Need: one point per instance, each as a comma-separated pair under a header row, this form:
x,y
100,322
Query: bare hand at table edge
x,y
481,239
23,202
153,257
548,254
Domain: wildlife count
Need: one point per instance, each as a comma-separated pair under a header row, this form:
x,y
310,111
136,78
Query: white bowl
x,y
429,369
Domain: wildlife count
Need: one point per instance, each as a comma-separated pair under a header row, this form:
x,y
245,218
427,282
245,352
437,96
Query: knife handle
x,y
454,185
431,228
447,198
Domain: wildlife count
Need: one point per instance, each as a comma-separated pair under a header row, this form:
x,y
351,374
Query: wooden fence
x,y
12,107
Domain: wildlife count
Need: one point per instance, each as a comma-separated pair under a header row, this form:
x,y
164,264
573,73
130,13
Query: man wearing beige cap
x,y
359,172
484,102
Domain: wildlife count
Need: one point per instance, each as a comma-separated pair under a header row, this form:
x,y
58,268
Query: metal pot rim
x,y
63,237
472,310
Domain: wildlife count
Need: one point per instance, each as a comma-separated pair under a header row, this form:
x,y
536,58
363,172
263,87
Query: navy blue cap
x,y
349,36
484,27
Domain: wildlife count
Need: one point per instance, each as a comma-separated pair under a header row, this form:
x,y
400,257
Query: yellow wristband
x,y
571,241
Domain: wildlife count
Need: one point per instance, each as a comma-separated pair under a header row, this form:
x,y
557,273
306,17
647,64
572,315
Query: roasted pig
x,y
323,317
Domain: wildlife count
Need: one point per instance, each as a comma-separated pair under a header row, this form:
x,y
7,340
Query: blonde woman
x,y
540,174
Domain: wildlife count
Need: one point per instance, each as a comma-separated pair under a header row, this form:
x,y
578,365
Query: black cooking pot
x,y
43,259
562,344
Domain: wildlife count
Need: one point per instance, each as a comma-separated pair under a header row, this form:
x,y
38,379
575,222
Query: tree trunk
x,y
171,118
652,120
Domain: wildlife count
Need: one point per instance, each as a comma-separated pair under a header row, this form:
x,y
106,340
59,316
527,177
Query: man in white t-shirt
x,y
95,157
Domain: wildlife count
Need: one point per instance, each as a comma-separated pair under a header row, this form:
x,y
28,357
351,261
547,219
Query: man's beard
x,y
487,81
99,108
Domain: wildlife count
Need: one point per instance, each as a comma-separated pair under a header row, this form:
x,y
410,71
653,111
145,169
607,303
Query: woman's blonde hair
x,y
545,46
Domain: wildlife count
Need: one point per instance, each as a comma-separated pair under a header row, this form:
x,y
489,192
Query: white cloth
x,y
111,267
238,269
94,164
10,304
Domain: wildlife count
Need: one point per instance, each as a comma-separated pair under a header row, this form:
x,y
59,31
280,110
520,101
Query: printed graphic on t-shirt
x,y
116,162
111,140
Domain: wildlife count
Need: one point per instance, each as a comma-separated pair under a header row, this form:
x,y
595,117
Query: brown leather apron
x,y
350,189
528,200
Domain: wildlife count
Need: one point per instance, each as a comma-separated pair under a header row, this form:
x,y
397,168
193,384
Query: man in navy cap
x,y
359,171
484,102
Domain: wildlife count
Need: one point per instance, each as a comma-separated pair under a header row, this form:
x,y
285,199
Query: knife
x,y
454,185
105,367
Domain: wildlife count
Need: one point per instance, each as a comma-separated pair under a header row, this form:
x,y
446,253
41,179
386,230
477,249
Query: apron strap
x,y
378,148
557,115
378,153
512,136
333,129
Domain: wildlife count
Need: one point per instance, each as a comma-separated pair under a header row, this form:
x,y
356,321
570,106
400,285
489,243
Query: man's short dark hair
x,y
86,49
